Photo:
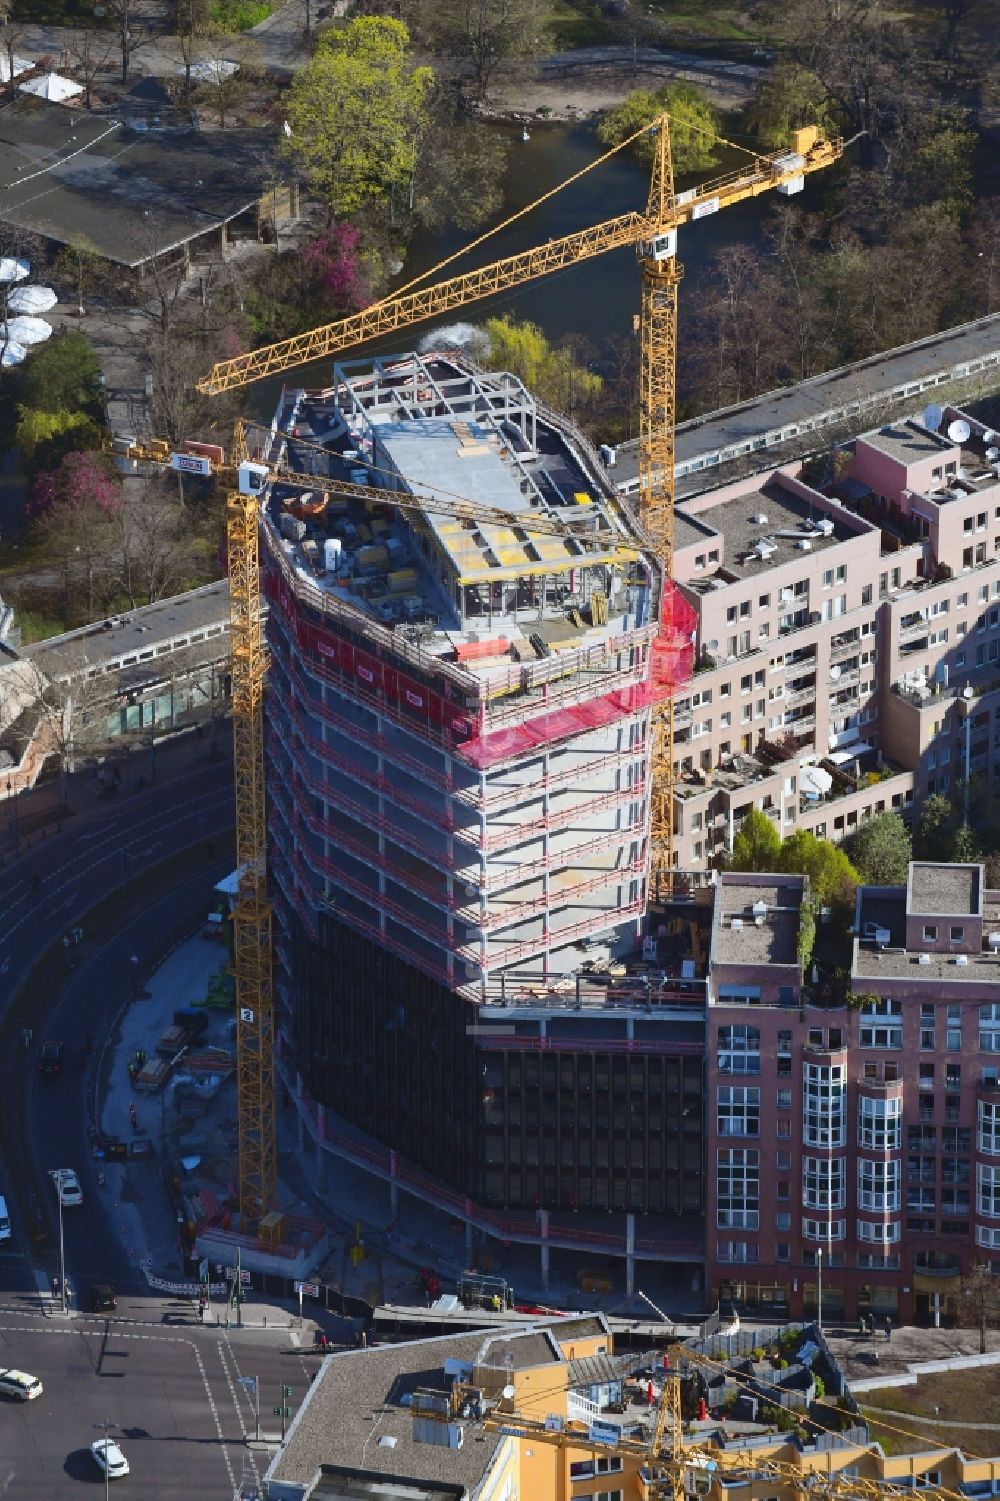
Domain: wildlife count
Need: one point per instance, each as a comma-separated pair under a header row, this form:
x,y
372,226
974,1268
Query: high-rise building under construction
x,y
458,750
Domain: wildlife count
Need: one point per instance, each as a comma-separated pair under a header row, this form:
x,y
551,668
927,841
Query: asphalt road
x,y
171,1395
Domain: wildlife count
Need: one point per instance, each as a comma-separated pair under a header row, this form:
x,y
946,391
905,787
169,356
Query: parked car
x,y
67,1186
109,1458
103,1298
50,1058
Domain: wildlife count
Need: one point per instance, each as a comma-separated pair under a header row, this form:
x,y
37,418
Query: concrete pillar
x,y
937,1310
543,1225
629,1255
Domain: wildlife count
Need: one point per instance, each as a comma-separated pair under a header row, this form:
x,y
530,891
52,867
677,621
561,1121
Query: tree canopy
x,y
756,844
693,124
357,111
62,375
934,836
546,369
881,850
832,877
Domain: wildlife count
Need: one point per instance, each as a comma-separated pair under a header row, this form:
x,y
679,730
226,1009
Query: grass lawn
x,y
963,1396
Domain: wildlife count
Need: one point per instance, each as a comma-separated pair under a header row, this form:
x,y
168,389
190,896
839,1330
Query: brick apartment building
x,y
838,633
864,1135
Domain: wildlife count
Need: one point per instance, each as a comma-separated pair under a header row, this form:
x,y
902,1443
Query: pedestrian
x,y
888,1328
140,1058
133,1073
26,1038
649,1394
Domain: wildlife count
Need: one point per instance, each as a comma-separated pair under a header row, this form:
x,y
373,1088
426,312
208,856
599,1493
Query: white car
x,y
67,1185
20,1385
109,1458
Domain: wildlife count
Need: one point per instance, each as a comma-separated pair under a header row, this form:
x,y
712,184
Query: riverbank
x,y
579,85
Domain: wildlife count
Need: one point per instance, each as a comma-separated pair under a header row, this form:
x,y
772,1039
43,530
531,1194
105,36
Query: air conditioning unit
x,y
737,924
923,959
962,959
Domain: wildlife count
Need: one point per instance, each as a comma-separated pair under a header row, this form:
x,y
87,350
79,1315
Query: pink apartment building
x,y
862,1139
841,640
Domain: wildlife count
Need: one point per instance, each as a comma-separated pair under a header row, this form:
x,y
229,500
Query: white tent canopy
x,y
13,268
52,86
12,354
815,782
31,300
26,330
21,65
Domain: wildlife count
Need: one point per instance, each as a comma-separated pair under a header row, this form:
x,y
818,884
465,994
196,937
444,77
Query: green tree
x,y
934,837
694,124
789,96
46,436
832,877
551,373
63,376
881,850
965,846
756,845
357,111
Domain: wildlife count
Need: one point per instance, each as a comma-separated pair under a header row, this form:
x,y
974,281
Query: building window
x,y
738,1111
988,1190
880,1124
883,1234
879,1186
989,1128
737,1188
740,1251
887,1036
957,934
739,1050
989,1028
824,1182
824,1104
930,933
783,1220
824,1230
784,1099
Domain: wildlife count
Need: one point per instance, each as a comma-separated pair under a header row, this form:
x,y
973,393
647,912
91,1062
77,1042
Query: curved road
x,y
76,870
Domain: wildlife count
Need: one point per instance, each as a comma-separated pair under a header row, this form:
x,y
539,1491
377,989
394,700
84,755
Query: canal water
x,y
598,298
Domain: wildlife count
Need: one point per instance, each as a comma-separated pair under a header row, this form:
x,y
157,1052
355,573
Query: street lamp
x,y
819,1290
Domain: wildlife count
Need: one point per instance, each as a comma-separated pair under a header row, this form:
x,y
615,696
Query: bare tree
x,y
89,53
980,1300
11,38
159,544
129,38
228,69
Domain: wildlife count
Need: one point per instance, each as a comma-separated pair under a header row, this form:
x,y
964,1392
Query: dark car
x,y
50,1059
102,1298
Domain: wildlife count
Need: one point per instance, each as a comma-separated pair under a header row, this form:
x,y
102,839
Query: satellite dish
x,y
509,1392
932,417
959,431
713,646
989,436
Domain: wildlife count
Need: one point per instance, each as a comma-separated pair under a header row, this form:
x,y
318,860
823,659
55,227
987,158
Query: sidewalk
x,y
31,817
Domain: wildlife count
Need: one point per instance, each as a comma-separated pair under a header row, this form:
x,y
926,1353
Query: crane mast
x,y
653,234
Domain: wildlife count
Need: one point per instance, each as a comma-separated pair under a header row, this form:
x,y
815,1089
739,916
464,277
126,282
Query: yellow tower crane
x,y
654,235
673,1468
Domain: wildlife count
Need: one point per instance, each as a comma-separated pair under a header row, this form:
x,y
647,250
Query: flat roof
x,y
906,442
790,520
776,940
355,1404
691,531
824,397
945,890
142,630
129,194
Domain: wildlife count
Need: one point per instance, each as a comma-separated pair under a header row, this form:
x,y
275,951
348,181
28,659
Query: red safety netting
x,y
673,649
671,664
560,724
